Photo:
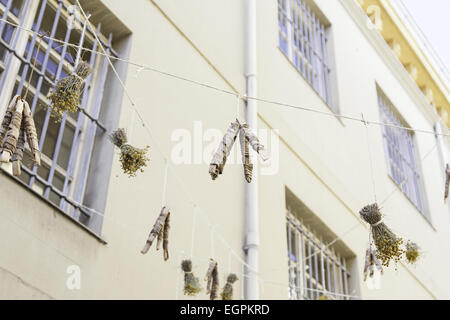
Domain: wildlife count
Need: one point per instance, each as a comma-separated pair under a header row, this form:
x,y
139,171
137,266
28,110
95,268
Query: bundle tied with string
x,y
227,292
371,262
412,252
65,95
246,138
388,244
191,283
131,158
160,231
212,279
16,124
447,182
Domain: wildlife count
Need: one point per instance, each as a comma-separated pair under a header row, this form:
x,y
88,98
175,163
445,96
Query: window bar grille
x,y
322,268
5,16
32,46
316,267
39,84
63,122
297,268
11,48
344,275
326,70
304,294
80,121
92,129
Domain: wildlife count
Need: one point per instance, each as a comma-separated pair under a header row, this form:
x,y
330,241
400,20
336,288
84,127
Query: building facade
x,y
74,227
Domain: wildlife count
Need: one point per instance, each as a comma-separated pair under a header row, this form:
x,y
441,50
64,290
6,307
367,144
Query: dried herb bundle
x,y
412,252
223,151
447,181
131,158
65,95
160,230
227,292
248,166
191,283
246,138
212,278
371,262
18,122
386,242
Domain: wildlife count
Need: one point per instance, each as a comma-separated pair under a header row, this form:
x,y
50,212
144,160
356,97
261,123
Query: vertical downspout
x,y
251,205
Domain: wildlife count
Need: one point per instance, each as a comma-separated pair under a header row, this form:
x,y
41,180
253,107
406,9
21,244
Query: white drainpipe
x,y
251,205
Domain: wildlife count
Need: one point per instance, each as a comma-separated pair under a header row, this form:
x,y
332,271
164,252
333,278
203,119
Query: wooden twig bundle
x,y
159,230
212,279
386,242
412,252
371,262
18,122
65,95
227,292
447,181
131,158
245,152
191,283
223,151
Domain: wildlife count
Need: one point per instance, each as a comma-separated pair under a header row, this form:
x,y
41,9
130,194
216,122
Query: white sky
x,y
433,18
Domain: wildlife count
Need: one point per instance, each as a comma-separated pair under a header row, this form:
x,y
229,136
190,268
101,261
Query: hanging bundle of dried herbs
x,y
131,158
191,283
18,122
65,95
160,230
227,292
248,166
447,181
212,279
412,252
371,262
223,151
386,242
254,142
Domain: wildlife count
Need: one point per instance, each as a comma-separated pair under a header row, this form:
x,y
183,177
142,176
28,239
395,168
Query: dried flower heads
x,y
246,138
227,292
160,231
16,124
212,280
191,283
65,95
388,245
131,158
412,252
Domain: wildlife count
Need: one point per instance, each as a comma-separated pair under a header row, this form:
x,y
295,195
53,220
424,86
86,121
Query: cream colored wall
x,y
324,161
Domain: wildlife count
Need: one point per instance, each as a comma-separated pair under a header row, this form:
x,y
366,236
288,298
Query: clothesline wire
x,y
234,93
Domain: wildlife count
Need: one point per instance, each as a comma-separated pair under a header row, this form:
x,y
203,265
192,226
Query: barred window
x,y
400,153
316,270
302,38
66,147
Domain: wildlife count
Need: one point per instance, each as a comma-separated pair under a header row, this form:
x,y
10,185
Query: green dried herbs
x,y
388,245
191,283
131,158
65,95
227,292
412,252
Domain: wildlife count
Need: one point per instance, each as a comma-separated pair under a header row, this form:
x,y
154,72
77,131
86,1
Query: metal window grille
x,y
66,146
400,153
314,269
303,40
